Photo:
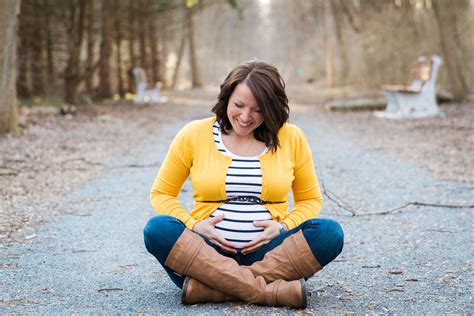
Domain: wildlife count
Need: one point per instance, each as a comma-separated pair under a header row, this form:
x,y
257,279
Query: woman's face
x,y
243,111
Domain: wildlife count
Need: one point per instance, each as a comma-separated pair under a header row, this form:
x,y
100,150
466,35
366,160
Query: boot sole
x,y
185,289
304,304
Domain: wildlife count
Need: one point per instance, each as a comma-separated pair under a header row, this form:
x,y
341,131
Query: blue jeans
x,y
324,236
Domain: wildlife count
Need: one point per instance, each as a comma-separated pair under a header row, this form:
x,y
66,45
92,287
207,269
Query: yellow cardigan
x,y
194,153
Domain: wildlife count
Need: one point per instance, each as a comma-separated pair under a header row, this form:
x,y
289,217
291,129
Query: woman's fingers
x,y
258,242
206,227
215,220
252,248
223,243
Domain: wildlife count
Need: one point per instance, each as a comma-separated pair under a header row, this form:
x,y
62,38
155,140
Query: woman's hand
x,y
208,230
271,230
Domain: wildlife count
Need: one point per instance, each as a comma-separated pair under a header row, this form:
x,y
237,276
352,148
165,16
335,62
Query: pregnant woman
x,y
241,241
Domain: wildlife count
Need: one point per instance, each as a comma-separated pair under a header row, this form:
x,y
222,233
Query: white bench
x,y
145,93
419,98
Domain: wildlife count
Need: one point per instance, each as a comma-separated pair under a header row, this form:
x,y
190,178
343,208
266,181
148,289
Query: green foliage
x,y
191,3
166,5
235,5
163,5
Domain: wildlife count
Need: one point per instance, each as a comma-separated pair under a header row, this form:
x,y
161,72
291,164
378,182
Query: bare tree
x,y
329,27
90,47
153,42
131,43
445,16
143,12
195,72
38,46
50,69
9,10
104,88
179,60
118,43
23,48
74,18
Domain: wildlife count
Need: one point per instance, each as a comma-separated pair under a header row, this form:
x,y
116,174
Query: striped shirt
x,y
244,178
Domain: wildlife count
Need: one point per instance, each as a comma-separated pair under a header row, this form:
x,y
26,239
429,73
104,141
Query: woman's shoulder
x,y
290,131
199,125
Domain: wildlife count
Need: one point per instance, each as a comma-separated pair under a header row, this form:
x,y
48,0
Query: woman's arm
x,y
306,193
173,172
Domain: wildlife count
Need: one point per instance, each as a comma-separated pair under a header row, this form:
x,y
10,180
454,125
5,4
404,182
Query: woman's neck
x,y
241,140
246,146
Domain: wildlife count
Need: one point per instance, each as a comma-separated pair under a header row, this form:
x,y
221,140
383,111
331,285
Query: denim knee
x,y
161,233
325,238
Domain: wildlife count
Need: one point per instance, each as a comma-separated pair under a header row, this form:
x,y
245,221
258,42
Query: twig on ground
x,y
444,231
150,165
95,163
339,201
110,289
347,207
4,171
77,159
415,203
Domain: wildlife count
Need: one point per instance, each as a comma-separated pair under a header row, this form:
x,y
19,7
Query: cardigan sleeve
x,y
306,193
173,172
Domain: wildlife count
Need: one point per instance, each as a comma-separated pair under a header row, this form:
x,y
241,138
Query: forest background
x,y
78,155
82,51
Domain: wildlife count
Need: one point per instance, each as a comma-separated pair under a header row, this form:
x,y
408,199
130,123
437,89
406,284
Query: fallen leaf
x,y
30,236
395,290
345,298
370,267
110,289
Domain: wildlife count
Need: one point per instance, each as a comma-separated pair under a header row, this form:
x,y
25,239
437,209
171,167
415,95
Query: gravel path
x,y
92,258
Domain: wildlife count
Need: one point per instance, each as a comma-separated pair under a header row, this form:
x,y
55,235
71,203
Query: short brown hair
x,y
268,88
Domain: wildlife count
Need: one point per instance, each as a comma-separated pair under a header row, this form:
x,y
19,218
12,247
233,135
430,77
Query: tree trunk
x,y
180,58
90,48
444,13
195,73
51,78
343,73
9,10
24,51
131,44
104,90
143,62
118,43
153,43
329,40
164,59
75,30
38,63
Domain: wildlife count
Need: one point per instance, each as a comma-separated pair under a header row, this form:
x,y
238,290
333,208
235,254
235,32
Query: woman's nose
x,y
245,114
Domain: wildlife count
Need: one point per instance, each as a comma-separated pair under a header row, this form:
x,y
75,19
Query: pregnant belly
x,y
237,226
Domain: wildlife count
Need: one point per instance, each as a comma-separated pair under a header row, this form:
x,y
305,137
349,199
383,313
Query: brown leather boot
x,y
191,256
197,292
292,260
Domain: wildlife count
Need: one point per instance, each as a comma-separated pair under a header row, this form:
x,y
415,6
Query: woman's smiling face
x,y
243,111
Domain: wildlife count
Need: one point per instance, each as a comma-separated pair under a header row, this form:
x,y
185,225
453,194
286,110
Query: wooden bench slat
x,y
400,88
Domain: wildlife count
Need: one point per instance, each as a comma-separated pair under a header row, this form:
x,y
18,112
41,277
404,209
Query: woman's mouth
x,y
244,125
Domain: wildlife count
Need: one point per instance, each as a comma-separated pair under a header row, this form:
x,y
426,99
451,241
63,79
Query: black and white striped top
x,y
244,178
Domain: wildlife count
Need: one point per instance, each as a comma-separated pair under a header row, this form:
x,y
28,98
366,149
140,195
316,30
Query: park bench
x,y
419,98
145,92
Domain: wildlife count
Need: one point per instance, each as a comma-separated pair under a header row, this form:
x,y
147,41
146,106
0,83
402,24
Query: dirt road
x,y
415,260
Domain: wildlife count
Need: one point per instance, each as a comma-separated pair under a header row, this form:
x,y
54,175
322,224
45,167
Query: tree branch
x,y
416,203
339,201
347,207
